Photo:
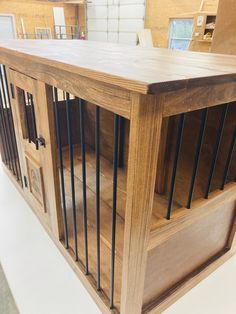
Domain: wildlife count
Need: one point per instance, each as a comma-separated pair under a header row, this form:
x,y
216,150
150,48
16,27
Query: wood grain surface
x,y
144,70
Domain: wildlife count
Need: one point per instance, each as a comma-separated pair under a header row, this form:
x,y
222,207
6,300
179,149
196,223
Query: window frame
x,y
178,38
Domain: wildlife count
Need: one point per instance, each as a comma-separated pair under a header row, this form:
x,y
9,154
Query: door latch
x,y
39,141
25,182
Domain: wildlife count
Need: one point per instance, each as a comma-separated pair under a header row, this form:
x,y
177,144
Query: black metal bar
x,y
97,152
71,152
29,108
7,121
34,120
14,143
197,155
27,118
83,153
59,143
121,141
31,126
175,165
3,138
216,148
229,159
113,240
4,127
10,135
3,135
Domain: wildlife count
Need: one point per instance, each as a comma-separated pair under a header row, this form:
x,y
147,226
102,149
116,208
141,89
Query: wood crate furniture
x,y
127,157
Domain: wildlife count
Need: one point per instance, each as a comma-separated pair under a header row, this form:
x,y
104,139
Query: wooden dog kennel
x,y
127,157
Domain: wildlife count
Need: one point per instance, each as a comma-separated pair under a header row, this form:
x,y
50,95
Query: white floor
x,y
43,283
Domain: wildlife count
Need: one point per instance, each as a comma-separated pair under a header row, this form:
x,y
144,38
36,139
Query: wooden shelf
x,y
204,40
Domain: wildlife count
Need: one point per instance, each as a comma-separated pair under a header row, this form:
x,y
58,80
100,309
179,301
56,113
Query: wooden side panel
x,y
184,252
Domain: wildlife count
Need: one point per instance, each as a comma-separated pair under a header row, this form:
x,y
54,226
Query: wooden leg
x,y
145,127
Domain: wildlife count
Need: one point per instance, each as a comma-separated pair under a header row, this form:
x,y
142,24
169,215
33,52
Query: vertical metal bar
x,y
216,148
71,153
59,143
27,118
29,108
4,126
3,137
197,155
7,121
113,240
14,143
33,119
71,30
229,158
121,142
175,165
97,152
83,153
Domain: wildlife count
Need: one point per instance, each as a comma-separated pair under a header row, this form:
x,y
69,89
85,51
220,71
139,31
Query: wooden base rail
x,y
130,166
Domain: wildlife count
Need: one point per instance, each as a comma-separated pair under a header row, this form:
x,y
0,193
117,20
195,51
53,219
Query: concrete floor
x,y
42,282
7,302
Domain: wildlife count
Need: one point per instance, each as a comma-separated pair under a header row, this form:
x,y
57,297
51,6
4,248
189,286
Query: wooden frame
x,y
145,106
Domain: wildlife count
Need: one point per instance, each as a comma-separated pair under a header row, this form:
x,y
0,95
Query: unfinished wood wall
x,y
224,40
36,13
159,12
210,5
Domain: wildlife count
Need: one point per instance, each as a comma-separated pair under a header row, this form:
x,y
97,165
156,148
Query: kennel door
x,y
29,100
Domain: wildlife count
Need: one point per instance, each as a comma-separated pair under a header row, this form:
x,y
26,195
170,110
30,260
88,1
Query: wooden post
x,y
145,126
49,155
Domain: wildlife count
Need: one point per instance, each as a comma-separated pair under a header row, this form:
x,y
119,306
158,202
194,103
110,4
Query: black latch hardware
x,y
25,182
40,141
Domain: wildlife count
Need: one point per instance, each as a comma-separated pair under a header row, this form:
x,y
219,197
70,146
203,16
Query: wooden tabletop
x,y
145,70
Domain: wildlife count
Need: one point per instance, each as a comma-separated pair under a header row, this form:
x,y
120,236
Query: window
x,y
116,21
43,33
180,33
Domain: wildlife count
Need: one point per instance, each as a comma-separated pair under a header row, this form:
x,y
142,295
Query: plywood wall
x,y
210,5
159,12
224,40
36,13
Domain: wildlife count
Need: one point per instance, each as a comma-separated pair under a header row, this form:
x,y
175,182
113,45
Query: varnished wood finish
x,y
186,251
194,98
42,159
145,127
144,70
106,95
147,87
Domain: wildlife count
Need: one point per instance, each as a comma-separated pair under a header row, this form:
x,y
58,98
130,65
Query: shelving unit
x,y
203,31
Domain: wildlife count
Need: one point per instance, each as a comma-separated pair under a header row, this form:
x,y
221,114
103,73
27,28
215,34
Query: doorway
x,y
7,27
